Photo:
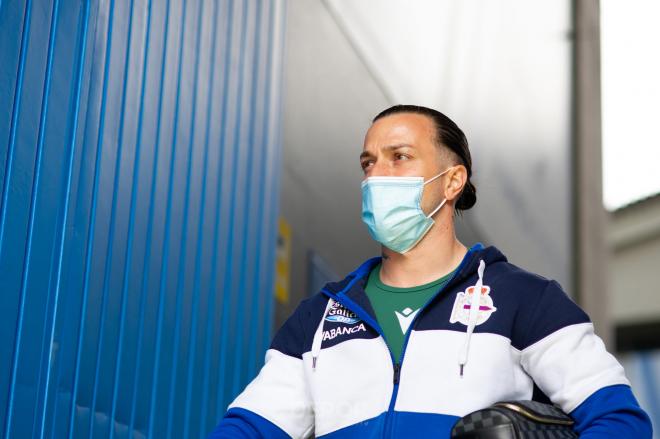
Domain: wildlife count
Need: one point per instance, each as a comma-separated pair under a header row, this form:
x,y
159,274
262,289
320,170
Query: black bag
x,y
515,420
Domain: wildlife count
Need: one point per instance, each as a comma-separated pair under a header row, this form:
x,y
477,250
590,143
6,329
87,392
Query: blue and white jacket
x,y
329,372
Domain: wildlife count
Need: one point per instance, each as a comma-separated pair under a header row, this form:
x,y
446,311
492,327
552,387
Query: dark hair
x,y
449,135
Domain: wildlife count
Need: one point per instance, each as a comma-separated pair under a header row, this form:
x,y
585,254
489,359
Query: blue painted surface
x,y
139,169
648,380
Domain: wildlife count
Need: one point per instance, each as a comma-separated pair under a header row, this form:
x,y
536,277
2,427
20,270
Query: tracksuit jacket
x,y
329,372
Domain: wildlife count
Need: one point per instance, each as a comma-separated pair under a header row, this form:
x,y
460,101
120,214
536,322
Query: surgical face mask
x,y
391,209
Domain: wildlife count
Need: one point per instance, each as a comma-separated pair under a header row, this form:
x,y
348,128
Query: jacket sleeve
x,y
612,412
276,404
571,365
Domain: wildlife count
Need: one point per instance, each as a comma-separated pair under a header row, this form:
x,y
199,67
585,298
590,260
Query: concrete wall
x,y
634,239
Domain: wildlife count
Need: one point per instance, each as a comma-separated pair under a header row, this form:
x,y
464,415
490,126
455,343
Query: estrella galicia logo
x,y
338,313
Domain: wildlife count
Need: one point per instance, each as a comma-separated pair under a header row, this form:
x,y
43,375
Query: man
x,y
431,331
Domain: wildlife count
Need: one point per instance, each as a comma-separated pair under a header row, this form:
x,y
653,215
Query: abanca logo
x,y
342,330
338,313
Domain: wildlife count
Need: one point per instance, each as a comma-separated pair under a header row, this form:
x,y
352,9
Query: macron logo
x,y
405,318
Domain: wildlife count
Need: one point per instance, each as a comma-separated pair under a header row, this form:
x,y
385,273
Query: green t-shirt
x,y
395,307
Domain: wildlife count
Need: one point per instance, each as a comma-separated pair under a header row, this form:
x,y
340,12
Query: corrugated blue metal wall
x,y
139,161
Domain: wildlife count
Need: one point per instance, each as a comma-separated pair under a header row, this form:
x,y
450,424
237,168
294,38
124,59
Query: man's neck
x,y
436,255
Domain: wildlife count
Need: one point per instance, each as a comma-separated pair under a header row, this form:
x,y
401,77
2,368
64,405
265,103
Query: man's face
x,y
402,145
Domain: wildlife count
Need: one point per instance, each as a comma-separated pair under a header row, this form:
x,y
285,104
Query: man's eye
x,y
401,157
365,164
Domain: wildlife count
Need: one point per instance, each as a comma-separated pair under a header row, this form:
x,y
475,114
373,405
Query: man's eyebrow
x,y
397,146
387,148
365,154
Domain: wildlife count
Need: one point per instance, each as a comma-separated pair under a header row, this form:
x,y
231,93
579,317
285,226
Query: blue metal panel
x,y
139,161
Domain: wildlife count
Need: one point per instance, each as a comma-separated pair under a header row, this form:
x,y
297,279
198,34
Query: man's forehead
x,y
399,129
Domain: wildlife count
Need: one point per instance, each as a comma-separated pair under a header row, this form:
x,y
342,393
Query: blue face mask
x,y
391,209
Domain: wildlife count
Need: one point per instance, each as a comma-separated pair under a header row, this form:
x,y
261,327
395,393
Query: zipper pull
x,y
397,373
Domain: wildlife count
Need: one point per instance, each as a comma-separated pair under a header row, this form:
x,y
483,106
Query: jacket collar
x,y
352,286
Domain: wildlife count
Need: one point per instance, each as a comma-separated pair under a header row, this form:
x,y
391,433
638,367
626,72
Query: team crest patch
x,y
461,311
337,313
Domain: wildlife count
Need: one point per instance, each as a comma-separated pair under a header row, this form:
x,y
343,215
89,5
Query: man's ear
x,y
457,179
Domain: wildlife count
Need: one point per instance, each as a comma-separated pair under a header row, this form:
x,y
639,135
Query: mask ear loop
x,y
437,176
443,201
437,208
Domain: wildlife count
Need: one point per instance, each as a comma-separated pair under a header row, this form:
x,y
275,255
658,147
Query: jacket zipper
x,y
395,390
